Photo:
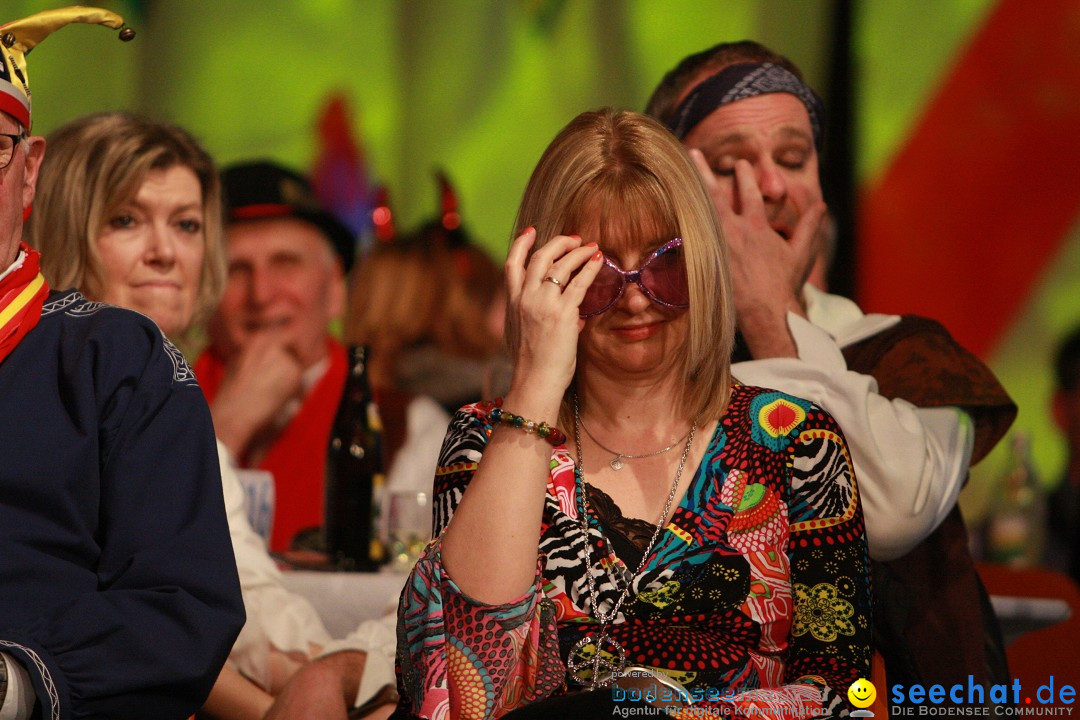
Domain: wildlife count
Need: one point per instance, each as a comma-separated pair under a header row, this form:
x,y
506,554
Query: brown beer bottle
x,y
355,474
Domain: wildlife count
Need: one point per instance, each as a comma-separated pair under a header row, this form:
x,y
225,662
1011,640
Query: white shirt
x,y
287,621
910,462
15,265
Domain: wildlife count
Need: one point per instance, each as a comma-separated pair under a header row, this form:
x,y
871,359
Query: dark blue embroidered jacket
x,y
118,587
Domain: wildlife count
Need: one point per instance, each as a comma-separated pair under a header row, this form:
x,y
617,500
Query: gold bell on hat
x,y
19,37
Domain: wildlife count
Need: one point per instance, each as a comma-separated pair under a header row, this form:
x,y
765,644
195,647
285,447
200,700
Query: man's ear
x,y
35,152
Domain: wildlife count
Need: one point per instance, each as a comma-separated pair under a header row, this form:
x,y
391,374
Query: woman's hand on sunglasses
x,y
543,323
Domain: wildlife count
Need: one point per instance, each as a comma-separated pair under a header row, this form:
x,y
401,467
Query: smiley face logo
x,y
862,693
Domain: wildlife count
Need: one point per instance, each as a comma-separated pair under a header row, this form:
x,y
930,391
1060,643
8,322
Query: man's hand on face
x,y
767,269
261,379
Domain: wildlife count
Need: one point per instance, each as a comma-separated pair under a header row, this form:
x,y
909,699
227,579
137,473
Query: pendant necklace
x,y
616,462
601,639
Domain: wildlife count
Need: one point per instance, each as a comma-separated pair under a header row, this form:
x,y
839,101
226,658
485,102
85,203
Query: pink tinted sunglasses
x,y
662,277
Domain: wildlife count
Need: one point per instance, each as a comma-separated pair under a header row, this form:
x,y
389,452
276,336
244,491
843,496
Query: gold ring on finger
x,y
553,280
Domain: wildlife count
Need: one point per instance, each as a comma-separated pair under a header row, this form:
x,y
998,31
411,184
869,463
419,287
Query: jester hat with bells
x,y
19,37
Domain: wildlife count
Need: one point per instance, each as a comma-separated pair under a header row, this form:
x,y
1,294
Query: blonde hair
x,y
628,175
93,165
415,291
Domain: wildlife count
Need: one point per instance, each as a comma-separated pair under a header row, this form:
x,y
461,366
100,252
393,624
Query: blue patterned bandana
x,y
742,81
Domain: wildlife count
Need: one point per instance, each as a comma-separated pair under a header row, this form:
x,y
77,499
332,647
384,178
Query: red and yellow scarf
x,y
22,294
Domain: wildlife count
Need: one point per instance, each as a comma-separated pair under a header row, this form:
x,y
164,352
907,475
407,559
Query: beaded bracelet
x,y
554,436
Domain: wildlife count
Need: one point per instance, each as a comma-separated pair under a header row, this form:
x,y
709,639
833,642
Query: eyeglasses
x,y
7,148
662,277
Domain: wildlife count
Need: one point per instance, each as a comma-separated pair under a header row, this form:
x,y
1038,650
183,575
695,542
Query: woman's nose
x,y
634,299
161,247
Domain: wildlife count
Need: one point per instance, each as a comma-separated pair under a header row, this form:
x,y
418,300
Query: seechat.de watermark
x,y
960,700
973,699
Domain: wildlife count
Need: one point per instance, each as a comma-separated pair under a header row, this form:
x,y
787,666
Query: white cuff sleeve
x,y
20,699
275,617
910,462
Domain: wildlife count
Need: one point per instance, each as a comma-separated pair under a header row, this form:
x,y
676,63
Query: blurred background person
x,y
1064,502
274,375
432,305
432,315
131,209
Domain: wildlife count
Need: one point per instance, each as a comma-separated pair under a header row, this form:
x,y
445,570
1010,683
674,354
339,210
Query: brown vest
x,y
932,619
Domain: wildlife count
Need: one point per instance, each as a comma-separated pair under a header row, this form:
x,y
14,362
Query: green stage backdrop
x,y
478,87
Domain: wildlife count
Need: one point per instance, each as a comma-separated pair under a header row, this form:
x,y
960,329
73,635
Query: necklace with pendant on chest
x,y
616,462
608,656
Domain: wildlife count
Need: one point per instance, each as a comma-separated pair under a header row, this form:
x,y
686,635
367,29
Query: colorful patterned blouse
x,y
757,593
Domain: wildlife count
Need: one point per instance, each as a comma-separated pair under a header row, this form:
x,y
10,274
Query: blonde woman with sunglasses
x,y
629,513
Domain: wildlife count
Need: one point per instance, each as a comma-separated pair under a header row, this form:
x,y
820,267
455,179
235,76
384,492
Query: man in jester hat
x,y
119,596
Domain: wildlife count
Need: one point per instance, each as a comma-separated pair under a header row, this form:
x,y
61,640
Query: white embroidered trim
x,y
182,372
46,676
61,303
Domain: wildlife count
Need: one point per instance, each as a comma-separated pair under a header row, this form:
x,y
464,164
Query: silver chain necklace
x,y
616,462
601,639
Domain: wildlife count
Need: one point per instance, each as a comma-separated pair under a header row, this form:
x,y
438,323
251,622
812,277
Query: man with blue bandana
x,y
917,409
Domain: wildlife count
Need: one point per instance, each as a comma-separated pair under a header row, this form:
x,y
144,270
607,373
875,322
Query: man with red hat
x,y
120,592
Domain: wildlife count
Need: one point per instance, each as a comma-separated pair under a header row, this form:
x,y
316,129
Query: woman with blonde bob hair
x,y
103,181
628,514
575,185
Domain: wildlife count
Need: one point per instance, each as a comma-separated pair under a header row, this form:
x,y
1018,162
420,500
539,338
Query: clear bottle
x,y
1016,526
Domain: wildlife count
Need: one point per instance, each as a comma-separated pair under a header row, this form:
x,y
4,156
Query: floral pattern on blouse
x,y
756,594
822,612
